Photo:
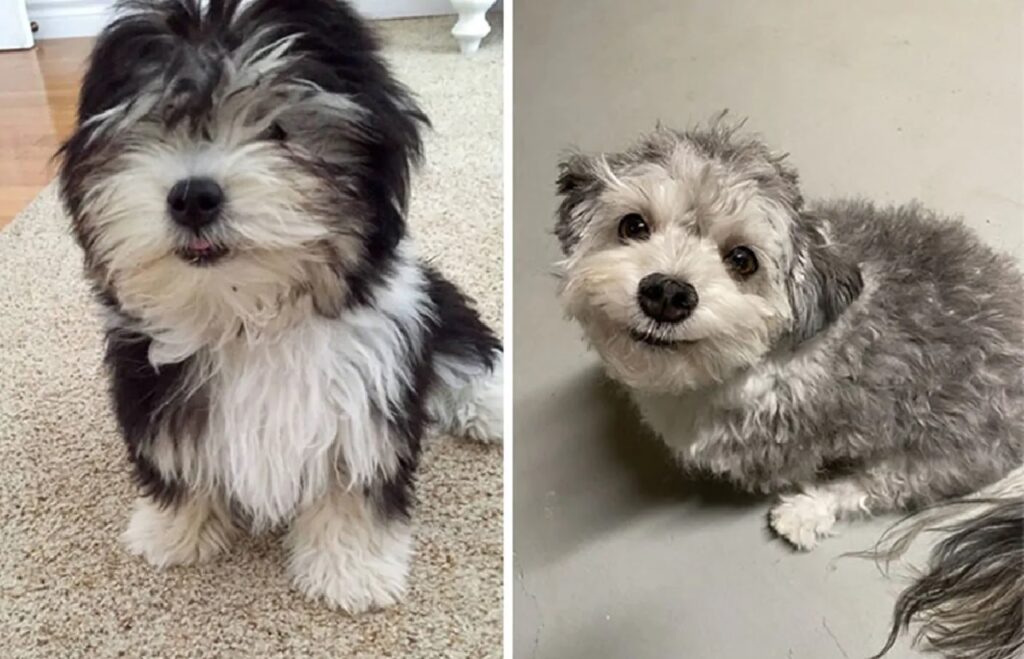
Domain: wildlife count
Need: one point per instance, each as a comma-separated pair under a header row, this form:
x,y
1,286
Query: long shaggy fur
x,y
873,362
279,364
970,600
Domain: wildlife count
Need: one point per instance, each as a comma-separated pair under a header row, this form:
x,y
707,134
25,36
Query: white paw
x,y
347,579
340,551
192,532
803,519
470,405
479,423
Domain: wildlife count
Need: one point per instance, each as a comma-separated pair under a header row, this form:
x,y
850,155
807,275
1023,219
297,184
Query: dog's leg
x,y
895,484
346,551
192,530
467,401
467,397
806,517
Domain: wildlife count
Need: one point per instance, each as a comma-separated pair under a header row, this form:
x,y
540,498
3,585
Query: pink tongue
x,y
199,245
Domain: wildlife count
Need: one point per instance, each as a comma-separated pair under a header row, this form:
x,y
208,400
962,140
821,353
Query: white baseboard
x,y
58,19
381,9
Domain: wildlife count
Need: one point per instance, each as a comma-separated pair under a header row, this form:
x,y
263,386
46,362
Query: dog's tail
x,y
969,603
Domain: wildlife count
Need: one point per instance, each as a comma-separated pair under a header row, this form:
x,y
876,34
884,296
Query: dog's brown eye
x,y
633,227
275,133
742,261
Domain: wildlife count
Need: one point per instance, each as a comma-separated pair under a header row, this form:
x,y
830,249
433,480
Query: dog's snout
x,y
195,202
666,299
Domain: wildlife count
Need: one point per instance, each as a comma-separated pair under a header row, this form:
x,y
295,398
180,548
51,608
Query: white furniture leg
x,y
472,25
15,30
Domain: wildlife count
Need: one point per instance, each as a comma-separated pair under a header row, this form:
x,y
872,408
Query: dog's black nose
x,y
195,202
665,299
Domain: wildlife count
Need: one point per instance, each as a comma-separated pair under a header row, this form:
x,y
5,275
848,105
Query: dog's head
x,y
231,158
688,257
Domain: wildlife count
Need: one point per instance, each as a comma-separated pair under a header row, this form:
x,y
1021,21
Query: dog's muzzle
x,y
666,299
194,204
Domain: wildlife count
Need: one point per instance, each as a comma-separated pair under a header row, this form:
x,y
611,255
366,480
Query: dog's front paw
x,y
349,580
193,531
343,551
803,519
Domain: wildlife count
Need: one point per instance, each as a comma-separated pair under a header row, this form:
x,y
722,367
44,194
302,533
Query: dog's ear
x,y
575,171
577,181
822,282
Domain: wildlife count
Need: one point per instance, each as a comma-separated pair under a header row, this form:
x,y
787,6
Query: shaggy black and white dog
x,y
238,181
855,359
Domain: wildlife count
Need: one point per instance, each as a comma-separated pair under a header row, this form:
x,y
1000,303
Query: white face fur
x,y
233,164
275,224
700,220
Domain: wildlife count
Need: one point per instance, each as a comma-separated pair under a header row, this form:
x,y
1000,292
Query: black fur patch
x,y
459,332
147,401
455,332
395,495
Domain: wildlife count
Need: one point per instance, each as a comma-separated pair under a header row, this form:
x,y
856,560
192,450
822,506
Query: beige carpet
x,y
67,589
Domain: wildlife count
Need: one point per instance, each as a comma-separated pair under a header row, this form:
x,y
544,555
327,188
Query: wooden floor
x,y
38,97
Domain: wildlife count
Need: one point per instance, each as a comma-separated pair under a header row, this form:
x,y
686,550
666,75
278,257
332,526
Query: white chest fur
x,y
742,408
732,410
310,406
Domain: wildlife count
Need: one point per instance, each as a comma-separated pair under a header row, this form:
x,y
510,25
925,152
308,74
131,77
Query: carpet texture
x,y
68,589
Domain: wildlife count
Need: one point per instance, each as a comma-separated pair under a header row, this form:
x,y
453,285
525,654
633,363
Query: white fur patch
x,y
342,552
195,531
805,518
265,226
296,411
469,402
688,420
802,519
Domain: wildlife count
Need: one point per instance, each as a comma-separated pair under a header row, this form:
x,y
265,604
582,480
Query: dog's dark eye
x,y
742,261
633,227
275,133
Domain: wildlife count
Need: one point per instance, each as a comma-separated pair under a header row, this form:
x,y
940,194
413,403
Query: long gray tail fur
x,y
969,603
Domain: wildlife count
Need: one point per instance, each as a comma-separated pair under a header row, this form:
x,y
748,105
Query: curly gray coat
x,y
870,359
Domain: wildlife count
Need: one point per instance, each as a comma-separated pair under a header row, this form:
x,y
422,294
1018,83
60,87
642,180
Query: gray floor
x,y
616,555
